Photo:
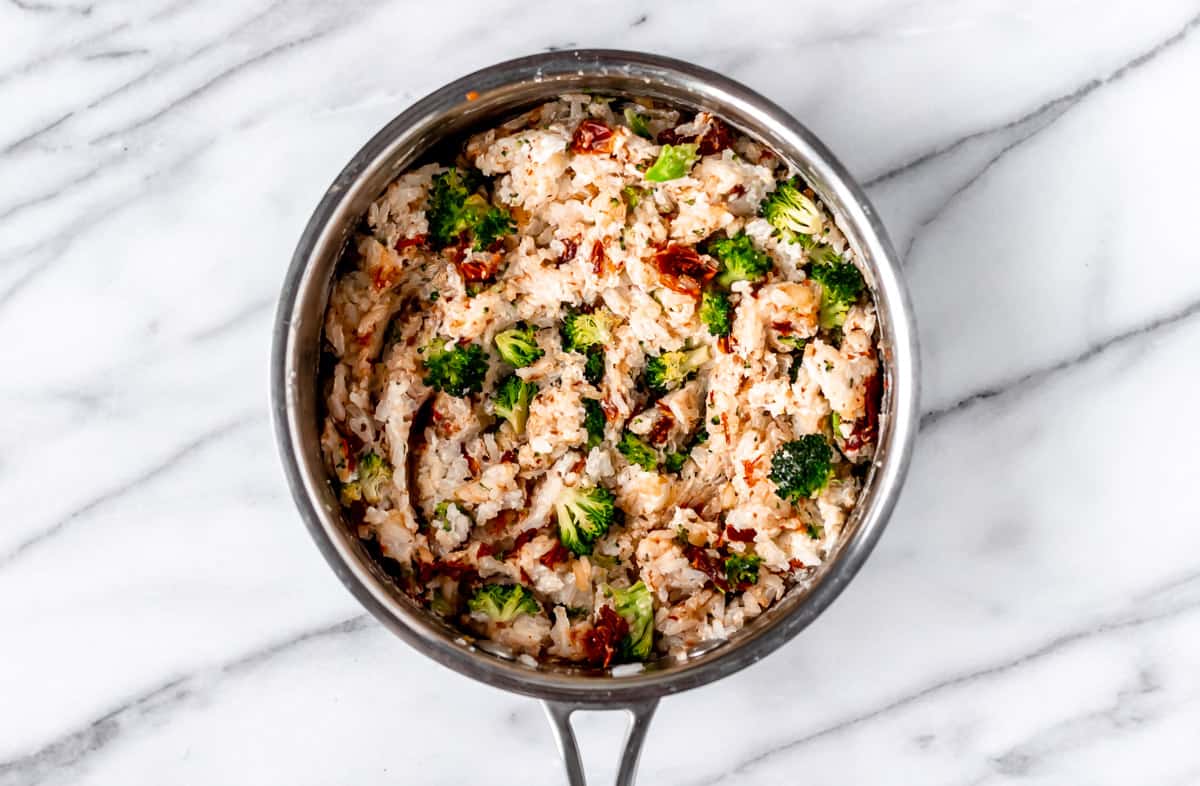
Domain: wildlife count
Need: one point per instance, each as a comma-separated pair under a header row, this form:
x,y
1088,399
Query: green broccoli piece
x,y
491,225
441,513
841,284
504,602
802,467
518,346
794,216
511,401
584,516
447,212
670,370
636,451
374,474
795,342
674,161
740,260
700,437
797,361
637,123
636,606
633,196
455,212
593,367
349,493
581,331
741,570
716,312
458,371
673,462
594,421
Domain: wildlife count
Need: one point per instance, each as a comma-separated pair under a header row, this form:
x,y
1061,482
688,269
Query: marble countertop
x,y
1031,615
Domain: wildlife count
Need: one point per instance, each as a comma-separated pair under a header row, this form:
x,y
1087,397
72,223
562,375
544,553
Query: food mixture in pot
x,y
602,387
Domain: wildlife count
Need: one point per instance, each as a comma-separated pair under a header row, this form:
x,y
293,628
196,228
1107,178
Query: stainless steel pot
x,y
468,103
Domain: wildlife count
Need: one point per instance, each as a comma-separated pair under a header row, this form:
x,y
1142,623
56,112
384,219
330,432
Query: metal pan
x,y
469,103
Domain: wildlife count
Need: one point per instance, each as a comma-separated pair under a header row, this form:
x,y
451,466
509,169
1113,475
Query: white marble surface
x,y
1032,614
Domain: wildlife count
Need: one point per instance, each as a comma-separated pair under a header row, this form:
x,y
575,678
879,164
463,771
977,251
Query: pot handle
x,y
640,714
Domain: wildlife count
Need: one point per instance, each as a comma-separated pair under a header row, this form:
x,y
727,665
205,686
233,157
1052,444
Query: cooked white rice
x,y
589,229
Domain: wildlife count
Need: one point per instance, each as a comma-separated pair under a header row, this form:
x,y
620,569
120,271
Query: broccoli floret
x,y
797,361
491,225
458,371
594,421
637,123
740,260
841,284
716,312
801,468
504,602
673,462
518,346
741,570
700,437
633,196
593,367
674,161
670,370
793,215
584,516
441,513
636,451
456,212
511,401
373,476
447,200
581,331
636,606
349,493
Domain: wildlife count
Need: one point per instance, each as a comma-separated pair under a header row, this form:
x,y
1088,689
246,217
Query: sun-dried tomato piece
x,y
682,269
866,426
592,136
668,137
599,258
601,642
555,555
706,563
472,462
524,538
662,426
715,138
411,242
740,535
570,248
477,268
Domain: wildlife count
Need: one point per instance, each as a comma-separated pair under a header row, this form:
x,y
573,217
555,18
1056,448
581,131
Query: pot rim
x,y
553,73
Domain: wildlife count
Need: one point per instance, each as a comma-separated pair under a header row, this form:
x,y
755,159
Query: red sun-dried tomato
x,y
662,426
555,555
682,269
592,136
740,535
570,248
599,258
866,426
716,138
601,642
706,563
524,538
411,242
